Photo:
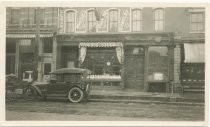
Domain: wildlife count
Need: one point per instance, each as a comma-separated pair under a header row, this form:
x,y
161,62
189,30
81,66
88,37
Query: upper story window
x,y
136,20
91,21
47,45
159,19
113,20
28,16
70,21
15,16
197,22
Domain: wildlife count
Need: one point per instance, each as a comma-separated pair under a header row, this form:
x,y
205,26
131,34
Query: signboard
x,y
158,76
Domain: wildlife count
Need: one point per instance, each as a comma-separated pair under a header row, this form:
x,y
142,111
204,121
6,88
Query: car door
x,y
58,87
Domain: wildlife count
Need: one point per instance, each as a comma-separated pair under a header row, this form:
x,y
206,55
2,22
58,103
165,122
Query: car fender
x,y
37,89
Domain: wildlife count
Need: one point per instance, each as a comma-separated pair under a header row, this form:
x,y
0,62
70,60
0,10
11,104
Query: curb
x,y
147,102
146,99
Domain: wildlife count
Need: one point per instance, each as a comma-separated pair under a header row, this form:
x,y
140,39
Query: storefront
x,y
140,62
193,67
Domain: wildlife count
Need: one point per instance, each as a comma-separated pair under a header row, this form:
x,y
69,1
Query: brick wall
x,y
177,71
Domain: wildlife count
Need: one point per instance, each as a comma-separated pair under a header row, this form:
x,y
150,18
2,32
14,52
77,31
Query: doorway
x,y
134,68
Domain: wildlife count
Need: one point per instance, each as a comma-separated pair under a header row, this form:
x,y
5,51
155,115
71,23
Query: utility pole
x,y
36,46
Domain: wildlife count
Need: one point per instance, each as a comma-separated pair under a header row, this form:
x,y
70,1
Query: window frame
x,y
87,19
45,63
131,19
118,19
44,46
203,23
19,17
163,19
65,20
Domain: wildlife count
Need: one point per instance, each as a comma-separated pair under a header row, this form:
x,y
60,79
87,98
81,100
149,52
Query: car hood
x,y
40,83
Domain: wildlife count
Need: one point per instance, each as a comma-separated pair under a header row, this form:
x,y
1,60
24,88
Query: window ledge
x,y
196,32
47,54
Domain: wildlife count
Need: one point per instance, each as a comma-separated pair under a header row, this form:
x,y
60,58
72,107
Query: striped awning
x,y
27,35
101,44
194,53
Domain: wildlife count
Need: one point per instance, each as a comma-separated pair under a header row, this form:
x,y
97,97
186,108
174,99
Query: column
x,y
146,68
17,58
54,57
40,61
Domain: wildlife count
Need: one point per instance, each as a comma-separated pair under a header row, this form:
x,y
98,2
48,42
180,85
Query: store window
x,y
15,16
102,61
159,19
48,45
91,21
136,20
70,21
113,20
47,68
197,22
158,63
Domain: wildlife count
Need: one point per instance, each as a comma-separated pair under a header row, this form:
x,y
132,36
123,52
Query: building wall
x,y
177,64
176,19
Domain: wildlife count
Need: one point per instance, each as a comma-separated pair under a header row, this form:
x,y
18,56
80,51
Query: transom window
x,y
113,20
136,20
159,19
91,21
197,22
70,21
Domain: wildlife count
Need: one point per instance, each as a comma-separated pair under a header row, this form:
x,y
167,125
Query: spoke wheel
x,y
75,95
30,93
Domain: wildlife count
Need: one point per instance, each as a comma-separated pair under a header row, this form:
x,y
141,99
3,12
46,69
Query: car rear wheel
x,y
30,93
75,95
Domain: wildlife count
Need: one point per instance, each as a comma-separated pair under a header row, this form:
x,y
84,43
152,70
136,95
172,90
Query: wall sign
x,y
158,76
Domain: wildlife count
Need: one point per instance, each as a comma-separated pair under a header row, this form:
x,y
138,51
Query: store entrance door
x,y
134,72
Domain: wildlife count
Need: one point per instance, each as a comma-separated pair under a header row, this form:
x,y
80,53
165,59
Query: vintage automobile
x,y
71,83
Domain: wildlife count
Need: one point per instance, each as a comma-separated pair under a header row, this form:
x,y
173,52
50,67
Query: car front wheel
x,y
30,93
75,95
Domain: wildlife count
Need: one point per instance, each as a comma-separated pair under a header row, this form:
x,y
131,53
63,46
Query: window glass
x,y
15,16
48,45
113,20
47,68
158,63
159,19
102,61
91,21
136,20
70,21
197,22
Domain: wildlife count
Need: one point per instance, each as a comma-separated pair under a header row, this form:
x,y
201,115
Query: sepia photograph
x,y
105,63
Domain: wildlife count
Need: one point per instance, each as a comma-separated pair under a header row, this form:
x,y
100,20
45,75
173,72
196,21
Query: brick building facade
x,y
130,48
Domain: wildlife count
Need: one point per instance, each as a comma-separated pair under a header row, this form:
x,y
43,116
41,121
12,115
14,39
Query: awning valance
x,y
101,44
27,35
118,45
194,53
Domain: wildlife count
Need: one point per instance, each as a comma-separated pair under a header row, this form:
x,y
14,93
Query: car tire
x,y
30,93
75,95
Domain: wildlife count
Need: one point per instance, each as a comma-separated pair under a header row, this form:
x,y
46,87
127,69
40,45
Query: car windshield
x,y
66,77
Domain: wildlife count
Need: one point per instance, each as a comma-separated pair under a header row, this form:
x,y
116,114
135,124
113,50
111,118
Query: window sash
x,y
15,16
91,21
197,22
113,20
159,20
70,21
136,20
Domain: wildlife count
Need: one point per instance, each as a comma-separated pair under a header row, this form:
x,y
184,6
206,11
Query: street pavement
x,y
61,109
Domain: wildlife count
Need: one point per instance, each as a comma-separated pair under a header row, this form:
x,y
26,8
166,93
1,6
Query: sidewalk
x,y
146,97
